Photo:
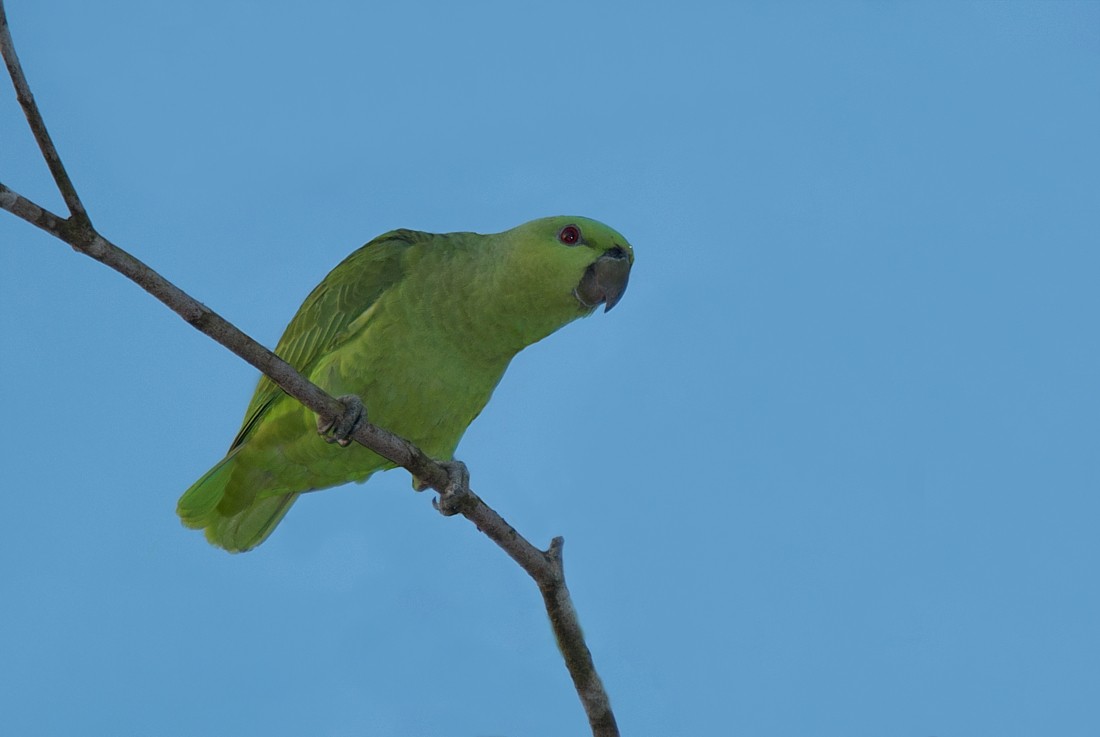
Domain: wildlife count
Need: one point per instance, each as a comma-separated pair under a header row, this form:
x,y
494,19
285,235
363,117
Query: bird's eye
x,y
570,235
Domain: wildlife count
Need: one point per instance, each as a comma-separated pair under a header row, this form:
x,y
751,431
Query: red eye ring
x,y
570,235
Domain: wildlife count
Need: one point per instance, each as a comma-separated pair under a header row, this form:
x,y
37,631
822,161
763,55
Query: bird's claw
x,y
339,429
457,491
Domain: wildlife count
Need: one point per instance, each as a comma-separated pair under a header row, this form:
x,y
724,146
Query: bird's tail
x,y
229,526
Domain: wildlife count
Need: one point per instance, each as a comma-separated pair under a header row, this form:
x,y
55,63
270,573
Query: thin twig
x,y
545,567
38,126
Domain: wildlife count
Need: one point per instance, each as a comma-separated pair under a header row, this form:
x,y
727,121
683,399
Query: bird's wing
x,y
321,322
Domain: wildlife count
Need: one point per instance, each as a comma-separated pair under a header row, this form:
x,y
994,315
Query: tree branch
x,y
38,126
545,567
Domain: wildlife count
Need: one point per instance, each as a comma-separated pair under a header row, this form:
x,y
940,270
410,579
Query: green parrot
x,y
420,327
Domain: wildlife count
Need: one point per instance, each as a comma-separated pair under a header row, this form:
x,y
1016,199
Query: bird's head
x,y
549,272
569,263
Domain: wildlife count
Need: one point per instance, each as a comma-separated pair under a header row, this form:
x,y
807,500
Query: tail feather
x,y
234,527
198,506
249,527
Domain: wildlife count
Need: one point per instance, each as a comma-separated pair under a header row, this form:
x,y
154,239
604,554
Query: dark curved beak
x,y
604,280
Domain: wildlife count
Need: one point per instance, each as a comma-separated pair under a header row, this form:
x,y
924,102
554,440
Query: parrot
x,y
417,329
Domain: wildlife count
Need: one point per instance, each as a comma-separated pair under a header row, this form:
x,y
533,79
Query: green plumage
x,y
421,327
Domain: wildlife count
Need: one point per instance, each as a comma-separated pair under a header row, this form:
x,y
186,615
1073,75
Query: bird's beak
x,y
605,279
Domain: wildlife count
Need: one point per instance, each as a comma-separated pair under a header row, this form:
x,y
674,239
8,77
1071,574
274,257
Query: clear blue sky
x,y
830,468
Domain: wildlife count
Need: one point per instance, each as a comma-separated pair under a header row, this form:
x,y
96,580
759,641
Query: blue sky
x,y
830,468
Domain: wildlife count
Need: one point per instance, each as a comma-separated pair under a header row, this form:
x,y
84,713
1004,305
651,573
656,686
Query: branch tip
x,y
554,552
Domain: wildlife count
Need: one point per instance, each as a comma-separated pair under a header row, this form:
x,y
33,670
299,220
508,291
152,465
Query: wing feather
x,y
321,323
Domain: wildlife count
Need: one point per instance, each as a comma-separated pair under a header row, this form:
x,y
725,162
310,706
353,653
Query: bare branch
x,y
545,567
24,209
38,126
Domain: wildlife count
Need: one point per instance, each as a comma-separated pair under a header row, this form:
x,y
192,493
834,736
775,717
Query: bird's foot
x,y
456,493
339,429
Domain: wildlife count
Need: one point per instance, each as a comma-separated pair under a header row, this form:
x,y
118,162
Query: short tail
x,y
229,526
